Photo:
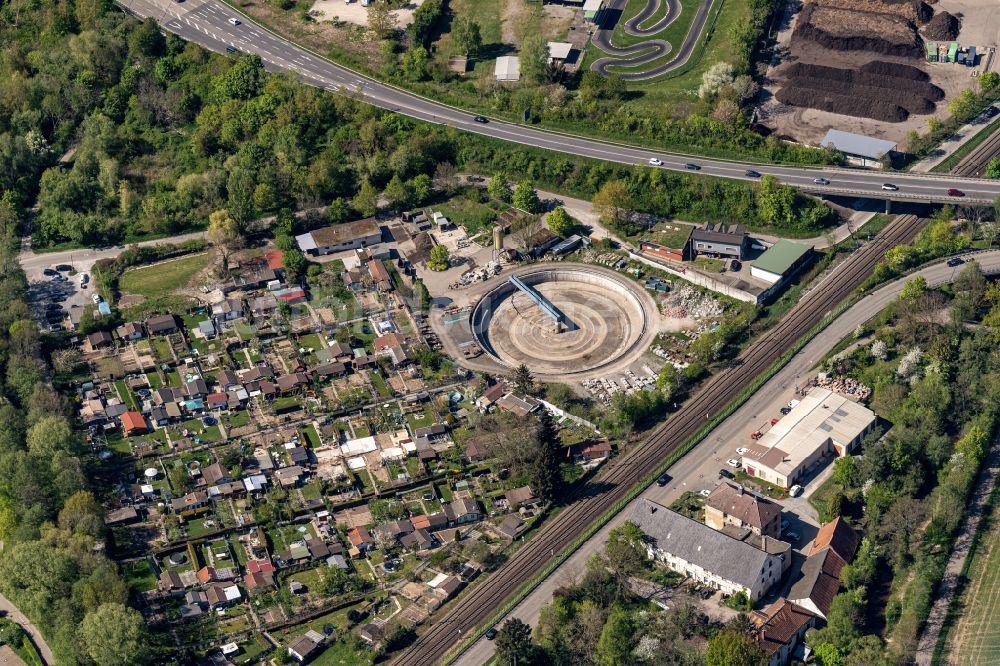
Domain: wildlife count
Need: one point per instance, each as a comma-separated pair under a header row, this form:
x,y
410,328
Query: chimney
x,y
763,542
652,508
740,489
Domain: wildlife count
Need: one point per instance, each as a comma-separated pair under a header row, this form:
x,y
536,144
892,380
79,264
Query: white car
x,y
704,492
795,490
96,298
742,451
655,162
733,462
234,21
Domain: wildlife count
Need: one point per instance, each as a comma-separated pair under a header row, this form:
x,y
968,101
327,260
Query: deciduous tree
x,y
114,635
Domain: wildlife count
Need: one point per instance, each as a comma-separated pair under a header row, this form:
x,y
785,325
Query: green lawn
x,y
163,278
674,32
472,215
487,14
139,576
311,436
126,395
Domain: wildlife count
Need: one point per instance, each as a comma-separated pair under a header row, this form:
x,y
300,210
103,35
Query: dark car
x,y
491,633
726,474
481,119
992,111
785,410
821,181
952,192
956,262
50,271
232,49
663,480
63,267
735,265
750,173
692,166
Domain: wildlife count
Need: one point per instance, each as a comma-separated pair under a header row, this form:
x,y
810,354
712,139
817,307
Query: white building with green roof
x,y
780,261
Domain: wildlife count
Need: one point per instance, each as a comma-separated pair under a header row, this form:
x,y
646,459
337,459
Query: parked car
x,y
952,192
63,267
992,111
750,173
96,298
704,492
491,633
50,272
735,266
663,480
784,524
481,119
653,161
84,279
742,451
692,166
725,473
889,187
733,462
795,490
821,181
957,261
785,410
792,536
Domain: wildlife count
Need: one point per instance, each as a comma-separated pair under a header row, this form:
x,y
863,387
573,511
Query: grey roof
x,y
720,233
699,544
857,144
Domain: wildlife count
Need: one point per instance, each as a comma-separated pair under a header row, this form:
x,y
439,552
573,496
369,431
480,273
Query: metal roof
x,y
857,144
781,256
508,68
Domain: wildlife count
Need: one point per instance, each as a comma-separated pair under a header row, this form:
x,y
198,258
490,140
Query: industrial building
x,y
780,261
860,149
705,555
340,237
822,425
719,240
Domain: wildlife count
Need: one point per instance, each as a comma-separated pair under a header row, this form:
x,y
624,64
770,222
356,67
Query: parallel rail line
x,y
595,499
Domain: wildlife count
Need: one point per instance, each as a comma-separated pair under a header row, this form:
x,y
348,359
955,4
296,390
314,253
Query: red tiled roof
x,y
260,566
839,536
275,259
133,421
213,398
389,340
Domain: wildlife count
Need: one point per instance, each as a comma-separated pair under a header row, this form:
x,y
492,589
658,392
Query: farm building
x,y
340,237
508,68
781,261
866,150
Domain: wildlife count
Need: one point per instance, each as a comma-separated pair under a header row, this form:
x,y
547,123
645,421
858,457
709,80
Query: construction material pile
x,y
849,30
914,11
942,28
881,90
689,302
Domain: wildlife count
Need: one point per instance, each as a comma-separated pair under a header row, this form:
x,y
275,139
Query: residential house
x,y
360,538
430,521
123,516
263,306
719,240
477,448
384,342
340,352
303,648
433,433
196,388
131,330
170,581
489,397
518,406
780,629
380,276
730,504
298,455
290,476
329,370
292,382
590,452
162,324
134,423
221,596
463,511
511,526
703,554
371,633
99,340
276,262
394,529
215,473
207,329
189,502
838,536
217,401
417,540
340,237
519,496
257,582
353,279
818,581
229,309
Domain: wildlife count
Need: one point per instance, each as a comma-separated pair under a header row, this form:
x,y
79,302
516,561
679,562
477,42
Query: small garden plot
x,y
163,278
139,576
251,650
311,491
474,216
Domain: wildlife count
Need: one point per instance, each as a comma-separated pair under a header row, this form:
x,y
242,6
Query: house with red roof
x,y
134,423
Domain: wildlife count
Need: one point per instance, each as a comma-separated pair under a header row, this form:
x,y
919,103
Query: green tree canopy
x,y
114,635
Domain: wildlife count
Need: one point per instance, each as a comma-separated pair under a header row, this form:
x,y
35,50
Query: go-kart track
x,y
648,51
608,321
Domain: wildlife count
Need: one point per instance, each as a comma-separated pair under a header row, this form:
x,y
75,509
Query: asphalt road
x,y
206,22
699,468
651,50
13,614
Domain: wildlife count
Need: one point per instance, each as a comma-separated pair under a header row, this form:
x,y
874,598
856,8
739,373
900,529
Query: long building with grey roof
x,y
705,555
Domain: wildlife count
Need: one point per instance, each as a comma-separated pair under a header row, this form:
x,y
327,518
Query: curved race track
x,y
648,51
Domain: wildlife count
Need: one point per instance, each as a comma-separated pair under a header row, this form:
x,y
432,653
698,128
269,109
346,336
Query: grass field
x,y
163,278
975,637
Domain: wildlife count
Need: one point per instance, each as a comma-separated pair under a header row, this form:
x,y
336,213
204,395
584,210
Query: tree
x,y
381,20
499,189
244,80
467,35
546,467
526,198
560,222
224,234
992,168
614,647
534,58
625,555
366,200
513,641
715,78
731,648
988,81
416,64
398,194
522,380
82,514
914,289
114,635
295,263
613,203
439,258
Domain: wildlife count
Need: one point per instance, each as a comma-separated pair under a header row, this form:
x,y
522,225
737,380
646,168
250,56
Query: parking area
x,y
56,292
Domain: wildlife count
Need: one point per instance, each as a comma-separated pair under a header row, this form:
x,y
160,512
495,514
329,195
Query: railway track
x,y
597,497
975,162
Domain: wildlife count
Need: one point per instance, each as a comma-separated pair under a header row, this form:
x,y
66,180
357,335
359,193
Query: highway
x,y
206,22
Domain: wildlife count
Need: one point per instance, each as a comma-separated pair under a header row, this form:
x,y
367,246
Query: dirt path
x,y
946,591
12,613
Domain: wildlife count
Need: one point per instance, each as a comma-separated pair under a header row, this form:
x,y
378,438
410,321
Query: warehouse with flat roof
x,y
865,150
781,261
340,237
821,426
